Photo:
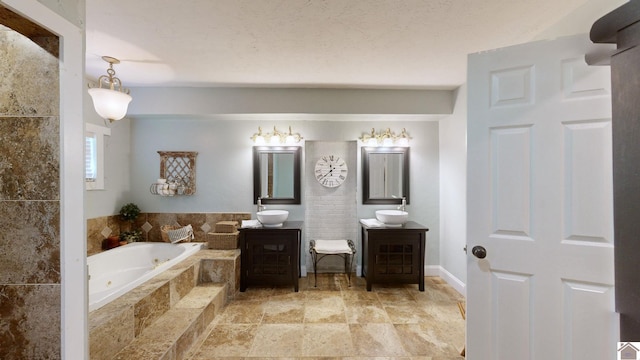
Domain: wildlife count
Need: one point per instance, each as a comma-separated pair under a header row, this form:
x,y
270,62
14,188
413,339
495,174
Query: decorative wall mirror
x,y
385,175
276,174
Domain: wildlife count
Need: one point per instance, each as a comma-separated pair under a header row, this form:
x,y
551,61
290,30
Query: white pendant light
x,y
112,101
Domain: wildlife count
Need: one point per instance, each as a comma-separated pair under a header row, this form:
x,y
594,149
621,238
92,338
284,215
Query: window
x,y
94,156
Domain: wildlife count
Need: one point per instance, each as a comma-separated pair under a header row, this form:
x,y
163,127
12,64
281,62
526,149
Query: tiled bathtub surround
x,y
29,199
195,290
150,224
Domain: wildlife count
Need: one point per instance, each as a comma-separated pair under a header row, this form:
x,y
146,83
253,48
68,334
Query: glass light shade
x,y
110,104
387,142
372,142
404,142
275,140
259,140
290,140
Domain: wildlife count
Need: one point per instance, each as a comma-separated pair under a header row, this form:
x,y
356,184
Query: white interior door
x,y
539,201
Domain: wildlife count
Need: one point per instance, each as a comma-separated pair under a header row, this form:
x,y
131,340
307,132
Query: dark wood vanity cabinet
x,y
394,255
622,27
270,256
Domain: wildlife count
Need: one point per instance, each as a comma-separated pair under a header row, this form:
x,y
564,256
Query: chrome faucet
x,y
404,204
260,206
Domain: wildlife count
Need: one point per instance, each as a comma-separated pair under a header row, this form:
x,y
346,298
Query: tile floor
x,y
336,321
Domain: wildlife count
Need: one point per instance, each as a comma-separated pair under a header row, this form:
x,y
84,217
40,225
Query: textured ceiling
x,y
419,44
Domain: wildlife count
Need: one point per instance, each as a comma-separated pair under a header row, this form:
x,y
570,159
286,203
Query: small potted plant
x,y
130,236
129,212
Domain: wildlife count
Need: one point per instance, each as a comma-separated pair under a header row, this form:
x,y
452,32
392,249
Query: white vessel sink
x,y
272,218
392,217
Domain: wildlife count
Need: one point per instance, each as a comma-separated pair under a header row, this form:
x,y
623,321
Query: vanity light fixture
x,y
385,138
403,138
112,101
258,138
370,139
292,138
276,137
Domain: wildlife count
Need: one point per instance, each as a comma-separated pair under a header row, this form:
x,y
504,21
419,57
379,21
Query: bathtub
x,y
115,272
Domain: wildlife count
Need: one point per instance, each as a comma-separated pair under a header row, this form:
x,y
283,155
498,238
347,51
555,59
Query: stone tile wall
x,y
150,223
30,290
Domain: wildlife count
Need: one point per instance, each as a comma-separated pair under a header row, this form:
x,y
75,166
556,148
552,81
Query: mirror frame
x,y
257,185
366,151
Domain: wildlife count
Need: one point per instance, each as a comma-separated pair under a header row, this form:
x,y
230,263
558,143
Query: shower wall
x,y
30,285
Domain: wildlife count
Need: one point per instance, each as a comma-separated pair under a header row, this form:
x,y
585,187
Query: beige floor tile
x,y
407,314
255,293
335,321
284,311
325,283
359,295
278,340
227,340
327,340
443,312
427,340
242,312
365,311
376,340
396,297
329,309
434,293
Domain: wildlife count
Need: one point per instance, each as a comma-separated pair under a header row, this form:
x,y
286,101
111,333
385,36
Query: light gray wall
x,y
224,174
453,195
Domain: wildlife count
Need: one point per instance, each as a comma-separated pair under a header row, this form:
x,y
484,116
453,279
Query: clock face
x,y
331,171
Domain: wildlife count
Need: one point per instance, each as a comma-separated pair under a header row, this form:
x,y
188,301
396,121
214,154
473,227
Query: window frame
x,y
98,133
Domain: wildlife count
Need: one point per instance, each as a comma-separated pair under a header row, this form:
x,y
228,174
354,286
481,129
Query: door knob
x,y
479,251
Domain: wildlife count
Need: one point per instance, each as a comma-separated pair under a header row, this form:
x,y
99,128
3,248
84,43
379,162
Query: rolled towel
x,y
371,223
250,224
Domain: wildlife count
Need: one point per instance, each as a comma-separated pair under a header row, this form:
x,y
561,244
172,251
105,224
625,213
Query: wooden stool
x,y
321,248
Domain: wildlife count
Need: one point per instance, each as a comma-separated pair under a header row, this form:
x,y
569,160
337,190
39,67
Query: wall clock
x,y
331,171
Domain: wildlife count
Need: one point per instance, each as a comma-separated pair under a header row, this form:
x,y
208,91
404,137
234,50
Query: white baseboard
x,y
454,282
432,270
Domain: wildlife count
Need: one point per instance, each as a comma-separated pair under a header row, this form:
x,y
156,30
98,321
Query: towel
x,y
181,234
251,224
332,247
371,223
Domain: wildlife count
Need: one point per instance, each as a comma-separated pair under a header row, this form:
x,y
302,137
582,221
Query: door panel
x,y
511,190
539,200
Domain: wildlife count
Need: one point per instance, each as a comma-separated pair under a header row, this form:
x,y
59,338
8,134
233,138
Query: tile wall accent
x,y
330,212
150,223
29,199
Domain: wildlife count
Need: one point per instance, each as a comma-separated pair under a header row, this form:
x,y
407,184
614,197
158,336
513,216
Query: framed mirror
x,y
385,175
276,174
